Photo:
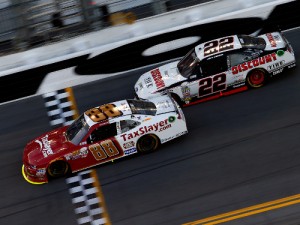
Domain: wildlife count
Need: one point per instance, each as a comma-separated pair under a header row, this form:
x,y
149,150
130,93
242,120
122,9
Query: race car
x,y
219,67
103,134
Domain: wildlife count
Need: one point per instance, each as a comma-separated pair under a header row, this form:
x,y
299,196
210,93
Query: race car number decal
x,y
103,112
218,46
103,150
213,84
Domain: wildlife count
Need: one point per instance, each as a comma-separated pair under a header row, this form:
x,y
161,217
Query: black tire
x,y
256,78
148,143
58,168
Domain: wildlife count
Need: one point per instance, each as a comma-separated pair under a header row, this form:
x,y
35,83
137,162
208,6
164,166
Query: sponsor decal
x,y
271,40
253,63
148,82
276,37
276,65
171,119
277,71
280,53
292,65
81,153
157,127
41,172
124,107
164,104
238,85
129,144
186,92
173,137
130,151
157,78
149,118
45,146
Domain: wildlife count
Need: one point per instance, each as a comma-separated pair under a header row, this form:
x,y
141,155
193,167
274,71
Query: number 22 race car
x,y
219,67
103,134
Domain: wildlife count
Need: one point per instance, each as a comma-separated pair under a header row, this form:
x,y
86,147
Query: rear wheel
x,y
58,168
148,143
256,78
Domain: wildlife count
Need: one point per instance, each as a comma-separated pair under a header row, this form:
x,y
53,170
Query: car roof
x,y
106,112
202,54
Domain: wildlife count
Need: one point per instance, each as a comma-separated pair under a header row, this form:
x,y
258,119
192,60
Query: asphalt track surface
x,y
241,150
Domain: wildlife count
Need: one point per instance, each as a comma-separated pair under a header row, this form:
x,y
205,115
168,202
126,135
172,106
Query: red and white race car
x,y
219,67
103,134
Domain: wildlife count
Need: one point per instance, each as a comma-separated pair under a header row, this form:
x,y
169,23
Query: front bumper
x,y
33,179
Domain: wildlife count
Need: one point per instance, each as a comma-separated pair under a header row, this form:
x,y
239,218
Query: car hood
x,y
273,41
46,147
156,80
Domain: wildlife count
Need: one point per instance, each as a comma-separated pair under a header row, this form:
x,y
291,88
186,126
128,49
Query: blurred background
x,y
30,23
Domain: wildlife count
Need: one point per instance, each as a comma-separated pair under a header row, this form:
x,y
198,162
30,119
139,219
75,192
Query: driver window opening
x,y
102,133
127,125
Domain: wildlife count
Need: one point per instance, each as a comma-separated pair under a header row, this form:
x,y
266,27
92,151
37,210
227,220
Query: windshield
x,y
188,63
142,107
252,42
77,130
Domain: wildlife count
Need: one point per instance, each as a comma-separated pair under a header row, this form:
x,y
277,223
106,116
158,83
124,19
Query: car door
x,y
210,76
100,146
128,134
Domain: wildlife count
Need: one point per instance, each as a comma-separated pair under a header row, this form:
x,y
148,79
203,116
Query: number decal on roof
x,y
103,112
216,46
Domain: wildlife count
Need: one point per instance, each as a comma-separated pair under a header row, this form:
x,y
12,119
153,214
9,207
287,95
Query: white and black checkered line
x,y
85,199
59,108
83,193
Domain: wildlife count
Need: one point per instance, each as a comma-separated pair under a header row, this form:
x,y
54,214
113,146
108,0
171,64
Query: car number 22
x,y
212,84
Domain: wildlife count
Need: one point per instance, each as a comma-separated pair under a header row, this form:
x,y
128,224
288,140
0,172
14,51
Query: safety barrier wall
x,y
127,47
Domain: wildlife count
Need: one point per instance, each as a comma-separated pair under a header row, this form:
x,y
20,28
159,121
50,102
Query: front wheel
x,y
256,78
148,143
58,168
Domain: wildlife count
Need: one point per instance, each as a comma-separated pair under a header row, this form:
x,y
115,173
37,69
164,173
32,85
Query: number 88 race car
x,y
103,134
219,67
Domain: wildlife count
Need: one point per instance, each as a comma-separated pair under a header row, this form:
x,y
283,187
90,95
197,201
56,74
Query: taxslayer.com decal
x,y
157,127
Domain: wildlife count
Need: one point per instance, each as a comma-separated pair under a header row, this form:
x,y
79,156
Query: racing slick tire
x,y
148,143
58,168
256,78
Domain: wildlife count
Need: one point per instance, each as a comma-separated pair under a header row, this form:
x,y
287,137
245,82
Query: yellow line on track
x,y
93,173
252,210
71,99
100,196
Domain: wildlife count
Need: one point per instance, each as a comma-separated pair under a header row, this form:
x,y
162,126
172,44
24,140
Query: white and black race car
x,y
219,67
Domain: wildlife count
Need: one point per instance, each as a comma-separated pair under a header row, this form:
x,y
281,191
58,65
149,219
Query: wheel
x,y
148,143
256,78
58,168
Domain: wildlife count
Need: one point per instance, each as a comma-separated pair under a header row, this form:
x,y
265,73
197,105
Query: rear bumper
x,y
32,179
